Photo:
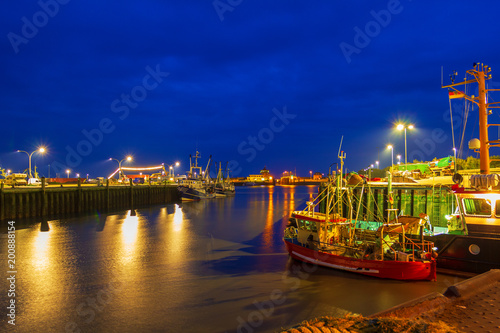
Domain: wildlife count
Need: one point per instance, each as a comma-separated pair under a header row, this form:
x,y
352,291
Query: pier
x,y
26,202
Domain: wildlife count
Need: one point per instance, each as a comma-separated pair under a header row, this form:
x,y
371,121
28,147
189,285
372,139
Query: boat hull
x,y
191,194
475,254
397,270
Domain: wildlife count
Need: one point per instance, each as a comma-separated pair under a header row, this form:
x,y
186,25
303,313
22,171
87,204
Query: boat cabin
x,y
313,226
480,211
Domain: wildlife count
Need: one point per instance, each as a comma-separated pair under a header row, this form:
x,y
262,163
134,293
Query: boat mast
x,y
484,151
480,74
207,169
192,168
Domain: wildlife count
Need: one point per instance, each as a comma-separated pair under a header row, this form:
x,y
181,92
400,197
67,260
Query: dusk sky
x,y
257,83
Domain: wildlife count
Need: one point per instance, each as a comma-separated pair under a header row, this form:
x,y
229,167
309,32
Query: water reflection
x,y
267,234
41,256
177,242
209,261
178,218
129,230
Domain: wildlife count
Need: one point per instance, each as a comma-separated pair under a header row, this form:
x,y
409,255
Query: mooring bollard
x,y
44,198
132,211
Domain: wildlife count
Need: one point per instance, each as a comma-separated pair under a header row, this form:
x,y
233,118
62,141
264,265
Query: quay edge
x,y
54,202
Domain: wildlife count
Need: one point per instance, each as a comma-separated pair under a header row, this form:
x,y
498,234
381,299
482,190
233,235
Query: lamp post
x,y
41,150
399,159
67,172
171,172
401,127
128,158
376,162
310,174
392,155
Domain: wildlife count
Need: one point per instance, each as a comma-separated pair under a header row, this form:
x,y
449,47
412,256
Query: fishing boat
x,y
223,186
469,239
330,240
195,186
472,239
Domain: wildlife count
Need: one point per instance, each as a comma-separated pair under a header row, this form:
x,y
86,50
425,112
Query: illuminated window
x,y
477,207
301,224
308,225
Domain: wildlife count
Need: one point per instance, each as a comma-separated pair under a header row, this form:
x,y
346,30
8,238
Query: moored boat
x,y
195,187
329,240
223,187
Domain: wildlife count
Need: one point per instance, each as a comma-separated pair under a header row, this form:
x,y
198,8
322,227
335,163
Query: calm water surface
x,y
212,266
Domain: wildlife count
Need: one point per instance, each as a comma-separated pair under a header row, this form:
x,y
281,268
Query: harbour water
x,y
217,265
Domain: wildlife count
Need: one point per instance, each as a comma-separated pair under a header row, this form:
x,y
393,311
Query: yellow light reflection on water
x,y
178,218
45,276
267,234
177,246
41,258
290,199
130,228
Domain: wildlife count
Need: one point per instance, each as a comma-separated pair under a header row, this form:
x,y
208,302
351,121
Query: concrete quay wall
x,y
26,202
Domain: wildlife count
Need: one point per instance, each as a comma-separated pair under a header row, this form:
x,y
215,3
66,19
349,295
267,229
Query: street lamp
x,y
128,158
41,150
392,155
401,127
376,162
171,172
399,159
67,172
310,174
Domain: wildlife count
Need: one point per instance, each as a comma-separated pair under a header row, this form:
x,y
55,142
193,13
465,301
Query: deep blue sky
x,y
228,68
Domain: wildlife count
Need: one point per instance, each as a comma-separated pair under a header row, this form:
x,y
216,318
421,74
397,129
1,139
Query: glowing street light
x,y
128,159
392,155
399,159
171,172
310,174
40,150
67,172
376,162
401,127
